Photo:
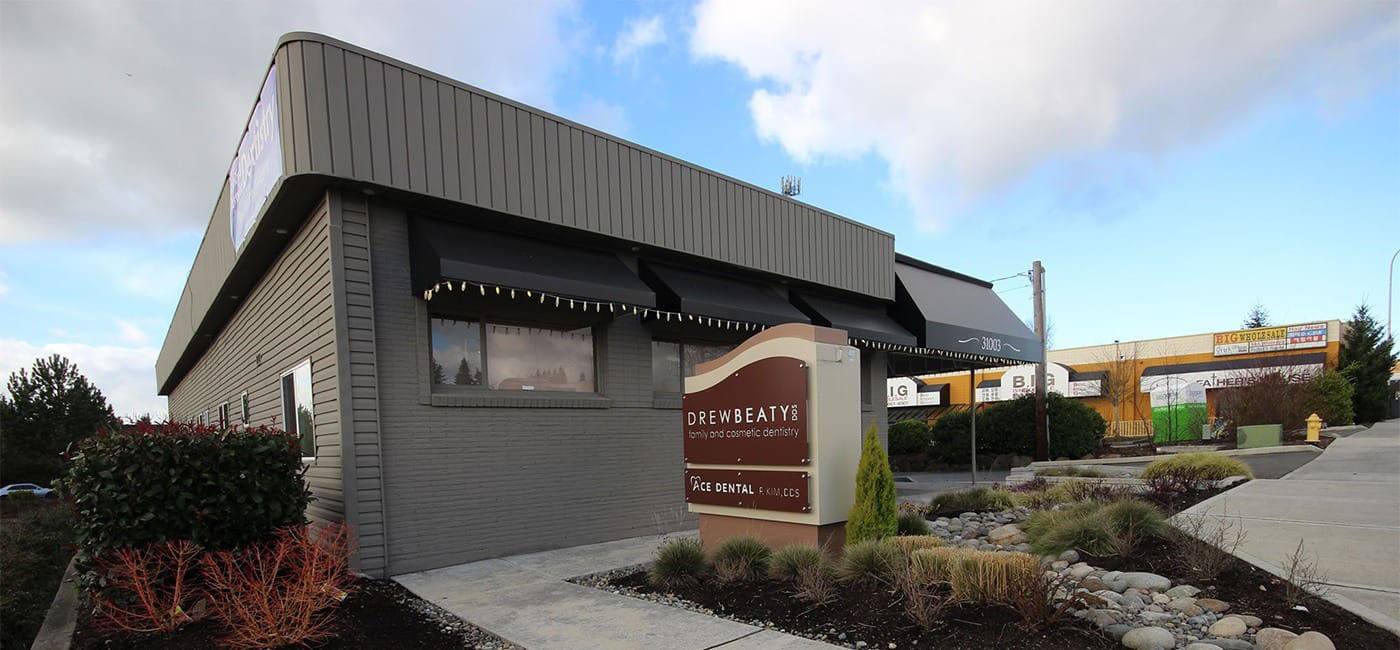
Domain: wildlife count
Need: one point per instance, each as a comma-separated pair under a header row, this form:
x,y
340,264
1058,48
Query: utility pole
x,y
972,385
1042,425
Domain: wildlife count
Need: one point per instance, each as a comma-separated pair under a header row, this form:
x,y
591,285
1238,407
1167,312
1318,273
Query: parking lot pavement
x,y
922,486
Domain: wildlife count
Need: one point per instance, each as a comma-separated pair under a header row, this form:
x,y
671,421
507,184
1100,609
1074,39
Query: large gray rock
x,y
1310,641
1006,535
1186,606
1183,591
1272,638
1203,646
1213,605
1252,621
1228,627
1117,630
1149,581
1149,638
1070,556
1230,644
1079,571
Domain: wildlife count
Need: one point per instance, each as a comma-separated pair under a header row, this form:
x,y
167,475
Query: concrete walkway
x,y
1345,506
524,599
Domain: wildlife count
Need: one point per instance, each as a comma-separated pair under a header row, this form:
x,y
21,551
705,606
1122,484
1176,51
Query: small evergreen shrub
x,y
912,523
909,437
870,562
741,559
1329,396
789,561
218,488
679,564
1196,467
974,500
872,515
910,543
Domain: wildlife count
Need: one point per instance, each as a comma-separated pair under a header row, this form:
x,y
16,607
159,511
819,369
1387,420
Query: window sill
x,y
523,399
672,402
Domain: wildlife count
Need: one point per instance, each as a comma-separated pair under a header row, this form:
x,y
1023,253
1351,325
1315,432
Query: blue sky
x,y
1166,187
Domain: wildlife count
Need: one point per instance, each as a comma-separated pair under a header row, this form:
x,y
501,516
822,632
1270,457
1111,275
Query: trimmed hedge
x,y
909,437
1009,428
220,488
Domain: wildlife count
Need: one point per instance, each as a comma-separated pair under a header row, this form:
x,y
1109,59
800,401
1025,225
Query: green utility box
x,y
1258,435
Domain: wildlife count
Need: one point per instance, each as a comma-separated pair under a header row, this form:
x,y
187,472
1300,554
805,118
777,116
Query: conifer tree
x,y
1366,359
873,515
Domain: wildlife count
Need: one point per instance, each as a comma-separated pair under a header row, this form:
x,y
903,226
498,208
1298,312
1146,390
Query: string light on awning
x,y
653,313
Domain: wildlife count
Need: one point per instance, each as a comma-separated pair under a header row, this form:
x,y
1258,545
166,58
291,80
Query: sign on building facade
x,y
756,416
257,165
1271,339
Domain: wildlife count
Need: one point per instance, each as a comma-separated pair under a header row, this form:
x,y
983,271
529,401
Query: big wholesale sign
x,y
1271,339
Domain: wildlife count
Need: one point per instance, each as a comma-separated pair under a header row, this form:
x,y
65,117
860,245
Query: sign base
x,y
714,529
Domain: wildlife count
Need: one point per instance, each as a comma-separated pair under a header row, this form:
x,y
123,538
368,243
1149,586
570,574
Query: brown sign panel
x,y
755,416
757,489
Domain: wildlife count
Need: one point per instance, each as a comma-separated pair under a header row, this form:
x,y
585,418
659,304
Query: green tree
x,y
1256,318
1366,359
1330,397
873,515
48,407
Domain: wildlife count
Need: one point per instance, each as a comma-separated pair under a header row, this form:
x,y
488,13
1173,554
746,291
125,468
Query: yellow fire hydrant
x,y
1314,427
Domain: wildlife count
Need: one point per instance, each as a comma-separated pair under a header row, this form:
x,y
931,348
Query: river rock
x,y
1080,571
1149,638
1185,606
1149,581
1132,602
1213,605
1203,646
1101,617
1272,638
1183,591
1229,627
1230,644
1093,584
1007,535
1070,556
1117,630
1310,641
1251,621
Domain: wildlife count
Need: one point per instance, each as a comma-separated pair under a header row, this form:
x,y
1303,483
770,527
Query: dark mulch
x,y
1250,590
875,616
378,614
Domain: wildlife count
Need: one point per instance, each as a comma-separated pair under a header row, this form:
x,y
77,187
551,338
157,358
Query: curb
x,y
1367,614
62,618
1281,449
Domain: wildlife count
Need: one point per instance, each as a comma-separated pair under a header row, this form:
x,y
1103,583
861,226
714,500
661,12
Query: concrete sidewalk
x,y
1345,506
525,599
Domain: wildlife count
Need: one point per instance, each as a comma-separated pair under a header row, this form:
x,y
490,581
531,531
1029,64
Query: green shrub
x,y
1076,491
788,562
34,550
1077,472
872,515
1134,515
1100,529
873,561
912,523
1009,428
973,500
1196,467
909,437
741,559
679,563
1329,396
220,489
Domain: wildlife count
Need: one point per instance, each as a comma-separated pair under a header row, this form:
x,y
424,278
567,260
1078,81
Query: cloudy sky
x,y
1171,163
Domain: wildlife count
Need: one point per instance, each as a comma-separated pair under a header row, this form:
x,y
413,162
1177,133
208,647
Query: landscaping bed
x,y
376,614
866,615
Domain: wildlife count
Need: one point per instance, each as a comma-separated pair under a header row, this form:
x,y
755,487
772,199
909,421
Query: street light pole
x,y
1042,426
1390,296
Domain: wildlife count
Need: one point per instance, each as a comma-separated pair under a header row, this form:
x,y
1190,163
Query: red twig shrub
x,y
280,592
147,589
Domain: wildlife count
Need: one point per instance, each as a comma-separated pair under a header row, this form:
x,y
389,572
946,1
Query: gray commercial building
x,y
476,315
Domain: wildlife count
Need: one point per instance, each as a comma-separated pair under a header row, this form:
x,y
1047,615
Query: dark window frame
x,y
484,387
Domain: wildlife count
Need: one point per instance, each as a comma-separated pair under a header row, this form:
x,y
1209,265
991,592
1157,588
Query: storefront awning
x,y
704,294
446,251
956,313
861,321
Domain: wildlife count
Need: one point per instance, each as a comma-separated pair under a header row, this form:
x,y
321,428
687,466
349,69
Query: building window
x,y
503,356
243,408
223,415
297,409
666,376
698,353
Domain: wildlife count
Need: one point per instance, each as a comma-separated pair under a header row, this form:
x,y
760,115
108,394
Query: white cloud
x,y
125,375
637,34
602,115
965,98
124,115
129,332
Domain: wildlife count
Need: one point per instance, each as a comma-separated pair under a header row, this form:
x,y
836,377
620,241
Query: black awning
x,y
865,321
957,313
705,294
446,251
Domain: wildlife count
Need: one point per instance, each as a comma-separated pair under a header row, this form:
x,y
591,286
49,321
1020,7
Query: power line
x,y
1024,274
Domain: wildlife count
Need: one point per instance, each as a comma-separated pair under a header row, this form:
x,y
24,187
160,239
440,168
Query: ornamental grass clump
x,y
973,500
789,561
990,576
679,564
912,523
935,565
1099,529
741,559
872,515
1196,468
910,543
871,562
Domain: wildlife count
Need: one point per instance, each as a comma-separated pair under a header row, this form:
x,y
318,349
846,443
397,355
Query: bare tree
x,y
1121,383
1304,576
